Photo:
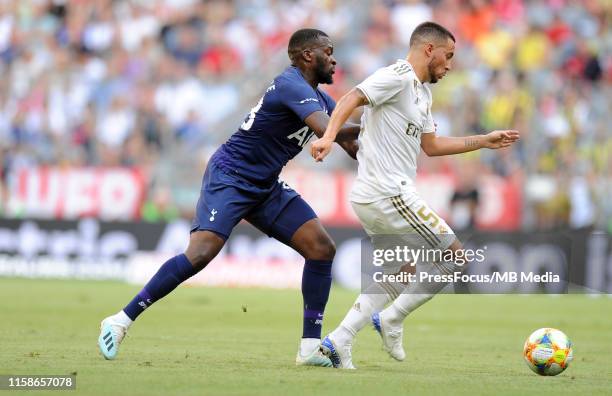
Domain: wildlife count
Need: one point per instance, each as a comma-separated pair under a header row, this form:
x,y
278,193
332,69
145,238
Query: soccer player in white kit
x,y
396,124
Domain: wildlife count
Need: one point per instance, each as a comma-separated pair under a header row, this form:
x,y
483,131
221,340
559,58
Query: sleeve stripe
x,y
370,101
402,69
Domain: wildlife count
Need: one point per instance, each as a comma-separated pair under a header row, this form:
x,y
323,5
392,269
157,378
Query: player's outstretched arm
x,y
319,120
344,108
434,145
346,137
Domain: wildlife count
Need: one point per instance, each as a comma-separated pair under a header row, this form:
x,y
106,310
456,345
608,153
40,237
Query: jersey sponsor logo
x,y
413,130
309,100
302,136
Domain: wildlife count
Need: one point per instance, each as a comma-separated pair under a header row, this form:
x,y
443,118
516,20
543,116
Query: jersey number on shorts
x,y
428,216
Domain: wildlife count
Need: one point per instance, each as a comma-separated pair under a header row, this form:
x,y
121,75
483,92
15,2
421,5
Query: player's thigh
x,y
203,247
419,226
220,207
286,217
313,242
373,217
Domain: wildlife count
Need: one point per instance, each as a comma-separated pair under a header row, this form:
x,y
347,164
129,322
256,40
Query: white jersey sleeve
x,y
382,86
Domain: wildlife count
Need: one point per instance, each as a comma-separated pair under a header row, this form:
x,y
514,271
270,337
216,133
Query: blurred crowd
x,y
160,84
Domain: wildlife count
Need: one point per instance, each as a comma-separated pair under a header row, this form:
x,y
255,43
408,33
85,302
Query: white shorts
x,y
405,217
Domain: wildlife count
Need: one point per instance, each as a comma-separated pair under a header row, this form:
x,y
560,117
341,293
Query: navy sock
x,y
316,282
174,272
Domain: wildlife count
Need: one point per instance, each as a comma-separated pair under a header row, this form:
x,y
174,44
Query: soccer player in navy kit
x,y
241,182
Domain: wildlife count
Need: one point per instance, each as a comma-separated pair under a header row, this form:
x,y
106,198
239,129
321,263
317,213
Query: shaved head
x,y
302,39
430,32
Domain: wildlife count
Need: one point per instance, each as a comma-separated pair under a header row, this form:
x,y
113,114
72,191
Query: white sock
x,y
417,294
308,345
121,318
403,305
372,300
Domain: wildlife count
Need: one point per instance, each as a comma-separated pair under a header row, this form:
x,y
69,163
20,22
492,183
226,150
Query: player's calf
x,y
314,244
203,247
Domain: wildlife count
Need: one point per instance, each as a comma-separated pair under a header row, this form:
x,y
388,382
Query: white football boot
x,y
311,355
111,335
339,354
391,336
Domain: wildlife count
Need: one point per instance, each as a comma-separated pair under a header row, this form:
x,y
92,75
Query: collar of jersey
x,y
299,72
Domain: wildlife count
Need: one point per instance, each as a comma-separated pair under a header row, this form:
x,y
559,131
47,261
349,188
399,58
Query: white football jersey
x,y
399,111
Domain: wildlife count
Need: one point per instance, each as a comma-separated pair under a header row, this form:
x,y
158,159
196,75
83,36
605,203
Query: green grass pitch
x,y
202,341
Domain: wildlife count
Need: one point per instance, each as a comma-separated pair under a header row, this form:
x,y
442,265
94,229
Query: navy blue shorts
x,y
225,200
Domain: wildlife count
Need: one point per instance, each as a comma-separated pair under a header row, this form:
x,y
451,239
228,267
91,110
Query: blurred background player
x,y
396,124
242,182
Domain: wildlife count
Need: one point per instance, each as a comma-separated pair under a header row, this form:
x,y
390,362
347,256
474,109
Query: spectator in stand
x,y
476,20
98,83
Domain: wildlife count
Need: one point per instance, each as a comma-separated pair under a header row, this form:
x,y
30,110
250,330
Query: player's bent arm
x,y
347,137
434,145
351,147
344,108
319,120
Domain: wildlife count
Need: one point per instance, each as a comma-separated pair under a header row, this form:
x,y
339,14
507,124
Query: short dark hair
x,y
430,30
301,39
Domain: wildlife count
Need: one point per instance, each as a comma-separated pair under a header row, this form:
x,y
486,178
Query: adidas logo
x,y
357,307
108,340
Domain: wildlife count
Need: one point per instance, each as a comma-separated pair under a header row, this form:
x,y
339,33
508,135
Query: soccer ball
x,y
548,351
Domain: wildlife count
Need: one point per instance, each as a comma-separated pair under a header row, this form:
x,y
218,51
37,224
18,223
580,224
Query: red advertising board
x,y
70,193
118,194
327,193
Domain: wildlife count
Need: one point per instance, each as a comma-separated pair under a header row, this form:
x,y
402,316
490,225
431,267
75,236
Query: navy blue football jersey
x,y
274,131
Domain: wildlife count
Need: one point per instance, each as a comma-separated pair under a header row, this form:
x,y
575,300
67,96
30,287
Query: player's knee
x,y
456,245
199,260
323,249
329,249
203,248
459,257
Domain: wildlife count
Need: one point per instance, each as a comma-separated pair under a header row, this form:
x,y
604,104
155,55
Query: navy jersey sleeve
x,y
331,103
300,98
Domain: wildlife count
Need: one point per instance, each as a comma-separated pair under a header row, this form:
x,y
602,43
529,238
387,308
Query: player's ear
x,y
307,55
429,47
